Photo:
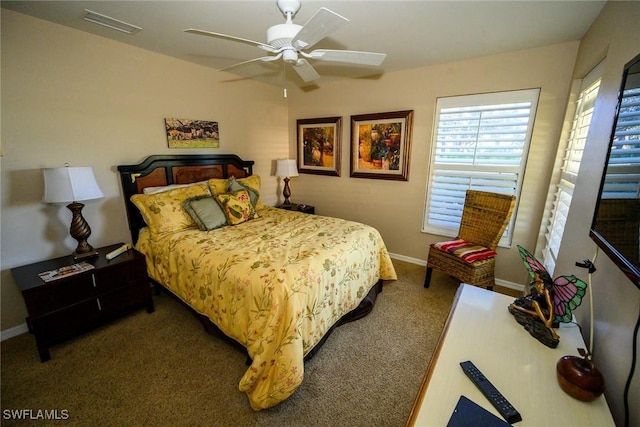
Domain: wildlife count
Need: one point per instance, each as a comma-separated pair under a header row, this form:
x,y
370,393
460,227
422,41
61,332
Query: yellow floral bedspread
x,y
275,284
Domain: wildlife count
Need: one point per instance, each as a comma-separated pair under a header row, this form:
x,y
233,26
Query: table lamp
x,y
73,184
286,168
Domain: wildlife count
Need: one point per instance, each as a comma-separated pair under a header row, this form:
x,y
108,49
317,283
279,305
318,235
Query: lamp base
x,y
85,255
286,193
80,231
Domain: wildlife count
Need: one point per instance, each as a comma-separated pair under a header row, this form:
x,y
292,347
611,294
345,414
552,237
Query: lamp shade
x,y
286,168
70,184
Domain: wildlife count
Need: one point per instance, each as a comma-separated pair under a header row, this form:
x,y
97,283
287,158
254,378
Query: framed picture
x,y
319,145
187,133
380,145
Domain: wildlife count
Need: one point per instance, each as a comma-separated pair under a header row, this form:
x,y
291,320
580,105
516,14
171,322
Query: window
x,y
480,142
572,149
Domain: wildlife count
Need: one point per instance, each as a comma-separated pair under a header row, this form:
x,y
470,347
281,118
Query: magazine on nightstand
x,y
66,271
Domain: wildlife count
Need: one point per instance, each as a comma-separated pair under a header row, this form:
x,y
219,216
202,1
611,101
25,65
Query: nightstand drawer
x,y
126,299
115,277
59,294
67,322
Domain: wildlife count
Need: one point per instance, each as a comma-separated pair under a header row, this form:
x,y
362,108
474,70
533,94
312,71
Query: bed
x,y
274,281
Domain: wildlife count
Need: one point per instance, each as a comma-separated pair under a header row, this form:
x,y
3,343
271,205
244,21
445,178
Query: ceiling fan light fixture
x,y
107,21
290,56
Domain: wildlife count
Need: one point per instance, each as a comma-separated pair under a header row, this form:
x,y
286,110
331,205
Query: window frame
x,y
502,178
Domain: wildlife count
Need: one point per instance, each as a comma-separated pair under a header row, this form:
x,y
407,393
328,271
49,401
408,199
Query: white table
x,y
481,329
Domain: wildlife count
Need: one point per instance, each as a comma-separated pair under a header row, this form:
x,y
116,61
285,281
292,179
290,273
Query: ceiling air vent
x,y
107,21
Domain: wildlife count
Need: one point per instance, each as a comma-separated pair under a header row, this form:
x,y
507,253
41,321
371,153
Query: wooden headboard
x,y
160,170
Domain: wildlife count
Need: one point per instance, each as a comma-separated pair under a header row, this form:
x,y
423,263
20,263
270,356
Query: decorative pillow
x,y
206,212
466,251
236,206
253,182
234,185
163,212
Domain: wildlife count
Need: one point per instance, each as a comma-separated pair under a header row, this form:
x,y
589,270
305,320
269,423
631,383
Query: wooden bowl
x,y
579,378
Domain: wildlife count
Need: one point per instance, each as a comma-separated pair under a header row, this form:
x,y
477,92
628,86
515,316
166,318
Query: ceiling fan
x,y
289,41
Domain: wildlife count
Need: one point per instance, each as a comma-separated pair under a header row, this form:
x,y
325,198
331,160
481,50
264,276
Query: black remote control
x,y
491,392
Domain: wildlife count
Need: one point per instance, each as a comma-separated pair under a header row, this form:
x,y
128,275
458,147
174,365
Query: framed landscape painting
x,y
187,133
319,143
380,145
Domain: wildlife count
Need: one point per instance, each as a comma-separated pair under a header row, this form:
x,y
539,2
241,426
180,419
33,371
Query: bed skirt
x,y
365,307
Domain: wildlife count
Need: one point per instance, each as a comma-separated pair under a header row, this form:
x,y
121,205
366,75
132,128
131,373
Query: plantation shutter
x,y
480,142
574,148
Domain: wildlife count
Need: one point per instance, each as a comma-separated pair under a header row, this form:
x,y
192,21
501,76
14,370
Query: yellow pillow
x,y
236,206
217,185
163,212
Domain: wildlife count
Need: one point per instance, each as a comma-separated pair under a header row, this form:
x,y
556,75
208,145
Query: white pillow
x,y
162,188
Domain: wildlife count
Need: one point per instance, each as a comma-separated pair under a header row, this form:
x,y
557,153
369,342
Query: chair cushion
x,y
466,251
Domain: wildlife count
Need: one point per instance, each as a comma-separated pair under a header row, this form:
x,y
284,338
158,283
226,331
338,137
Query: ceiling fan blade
x,y
228,37
321,24
263,59
350,56
305,70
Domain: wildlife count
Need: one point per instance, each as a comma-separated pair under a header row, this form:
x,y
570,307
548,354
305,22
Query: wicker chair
x,y
484,218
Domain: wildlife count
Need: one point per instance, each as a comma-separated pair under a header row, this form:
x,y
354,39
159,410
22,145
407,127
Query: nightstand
x,y
63,308
298,208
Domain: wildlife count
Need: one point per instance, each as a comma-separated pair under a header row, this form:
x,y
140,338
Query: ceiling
x,y
412,33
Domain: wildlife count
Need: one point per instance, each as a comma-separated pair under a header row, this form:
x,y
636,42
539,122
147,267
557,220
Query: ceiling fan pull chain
x,y
284,78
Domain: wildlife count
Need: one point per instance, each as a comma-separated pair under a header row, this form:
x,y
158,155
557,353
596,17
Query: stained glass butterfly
x,y
567,290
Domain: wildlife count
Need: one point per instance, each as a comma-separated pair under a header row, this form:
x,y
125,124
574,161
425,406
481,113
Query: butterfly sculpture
x,y
550,300
567,290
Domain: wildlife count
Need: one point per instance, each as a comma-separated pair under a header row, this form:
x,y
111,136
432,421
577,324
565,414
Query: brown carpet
x,y
162,369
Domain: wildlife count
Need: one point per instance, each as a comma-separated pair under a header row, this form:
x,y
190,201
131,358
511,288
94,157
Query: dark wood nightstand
x,y
66,307
298,208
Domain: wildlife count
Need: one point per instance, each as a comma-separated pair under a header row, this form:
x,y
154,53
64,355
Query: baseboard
x,y
14,332
410,260
510,285
423,263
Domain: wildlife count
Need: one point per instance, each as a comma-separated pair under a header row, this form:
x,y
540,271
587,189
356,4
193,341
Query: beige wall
x,y
615,38
396,207
70,97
